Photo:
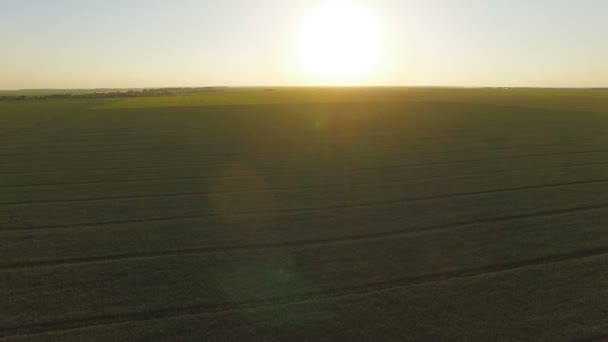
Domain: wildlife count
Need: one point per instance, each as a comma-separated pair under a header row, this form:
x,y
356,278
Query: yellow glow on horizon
x,y
340,43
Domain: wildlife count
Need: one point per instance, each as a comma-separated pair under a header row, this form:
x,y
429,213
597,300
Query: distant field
x,y
43,92
306,214
588,100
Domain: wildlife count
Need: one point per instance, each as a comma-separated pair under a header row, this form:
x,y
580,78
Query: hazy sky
x,y
150,43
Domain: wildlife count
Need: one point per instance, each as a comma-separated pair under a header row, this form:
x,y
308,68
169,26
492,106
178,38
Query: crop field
x,y
306,214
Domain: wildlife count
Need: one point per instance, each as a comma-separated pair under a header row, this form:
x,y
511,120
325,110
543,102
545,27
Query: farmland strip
x,y
348,171
292,244
103,148
368,168
370,288
196,193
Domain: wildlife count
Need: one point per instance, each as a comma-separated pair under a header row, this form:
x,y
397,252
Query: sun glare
x,y
339,43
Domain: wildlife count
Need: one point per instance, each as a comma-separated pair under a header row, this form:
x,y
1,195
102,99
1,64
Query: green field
x,y
306,214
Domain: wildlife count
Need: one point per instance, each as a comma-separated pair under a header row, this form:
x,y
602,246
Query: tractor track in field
x,y
145,147
292,244
17,131
152,137
93,138
394,201
292,210
259,213
328,294
338,172
145,140
431,163
140,144
596,337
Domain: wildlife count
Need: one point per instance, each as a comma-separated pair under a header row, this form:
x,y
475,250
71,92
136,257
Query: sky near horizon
x,y
153,43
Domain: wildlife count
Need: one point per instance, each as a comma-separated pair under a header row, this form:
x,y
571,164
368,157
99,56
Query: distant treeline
x,y
113,94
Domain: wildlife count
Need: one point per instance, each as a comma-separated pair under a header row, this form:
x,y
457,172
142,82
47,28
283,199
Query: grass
x,y
306,214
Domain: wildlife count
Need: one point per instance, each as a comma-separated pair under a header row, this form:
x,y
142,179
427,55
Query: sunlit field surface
x,y
306,214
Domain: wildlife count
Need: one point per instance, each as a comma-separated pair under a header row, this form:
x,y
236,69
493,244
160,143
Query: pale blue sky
x,y
153,43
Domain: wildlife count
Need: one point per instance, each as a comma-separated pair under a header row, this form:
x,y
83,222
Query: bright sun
x,y
339,43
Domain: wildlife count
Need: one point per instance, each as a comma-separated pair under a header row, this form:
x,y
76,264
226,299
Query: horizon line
x,y
323,86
